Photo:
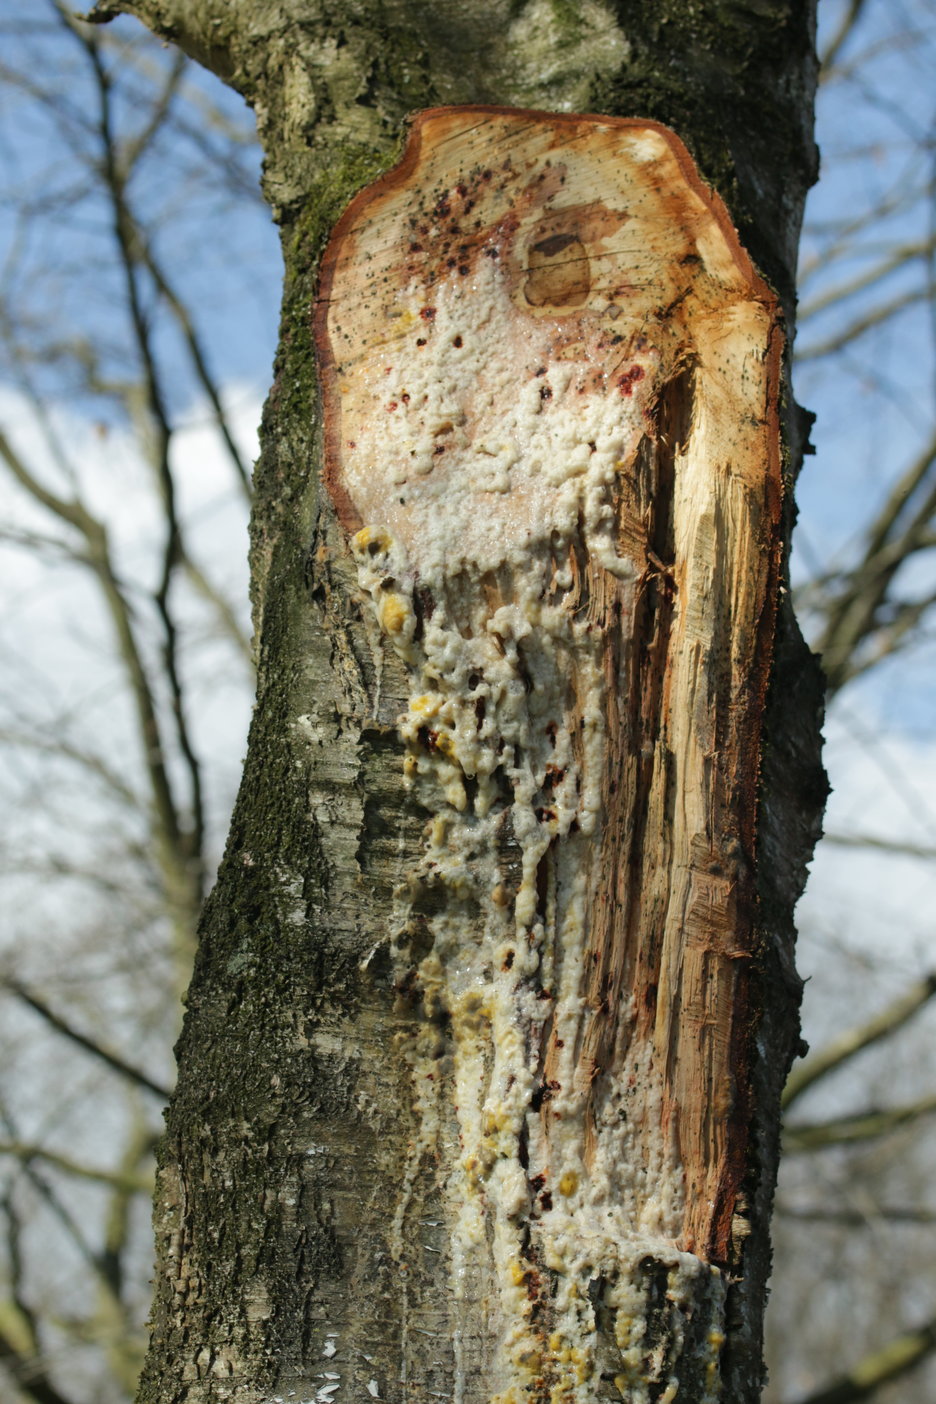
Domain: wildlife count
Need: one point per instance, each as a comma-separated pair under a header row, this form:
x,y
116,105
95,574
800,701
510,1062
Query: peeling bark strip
x,y
550,382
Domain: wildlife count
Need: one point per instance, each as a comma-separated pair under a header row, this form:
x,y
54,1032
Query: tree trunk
x,y
480,1075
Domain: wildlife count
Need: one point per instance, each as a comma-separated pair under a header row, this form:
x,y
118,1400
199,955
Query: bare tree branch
x,y
139,1149
839,234
843,1048
874,317
199,361
901,529
900,847
74,514
124,236
862,1126
888,639
879,1367
120,159
128,1184
120,1326
56,743
97,334
225,612
55,1021
856,1218
51,1199
28,1372
20,1346
842,34
896,260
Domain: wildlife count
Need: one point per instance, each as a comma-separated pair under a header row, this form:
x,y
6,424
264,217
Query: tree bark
x,y
341,1212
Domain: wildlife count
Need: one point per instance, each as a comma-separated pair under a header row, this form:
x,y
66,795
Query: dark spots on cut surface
x,y
555,244
423,605
558,272
629,379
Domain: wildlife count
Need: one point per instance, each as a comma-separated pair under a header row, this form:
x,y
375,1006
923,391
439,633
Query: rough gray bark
x,y
290,1136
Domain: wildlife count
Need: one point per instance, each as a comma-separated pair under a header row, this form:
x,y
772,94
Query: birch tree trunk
x,y
480,1075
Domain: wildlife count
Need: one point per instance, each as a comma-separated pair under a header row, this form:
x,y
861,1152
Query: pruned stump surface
x,y
550,380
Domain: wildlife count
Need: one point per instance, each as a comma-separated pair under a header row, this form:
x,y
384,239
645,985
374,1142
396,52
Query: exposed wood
x,y
550,380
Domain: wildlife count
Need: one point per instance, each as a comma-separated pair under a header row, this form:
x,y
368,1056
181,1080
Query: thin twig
x,y
127,1184
843,1048
899,847
55,1021
879,1367
846,26
862,1126
865,323
856,1218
